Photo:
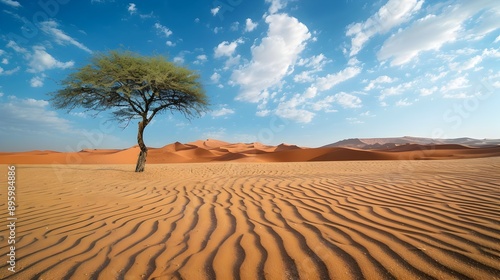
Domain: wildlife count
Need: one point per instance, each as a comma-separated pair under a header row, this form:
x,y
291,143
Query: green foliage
x,y
132,86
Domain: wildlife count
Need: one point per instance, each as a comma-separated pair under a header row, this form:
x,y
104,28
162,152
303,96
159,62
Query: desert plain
x,y
255,214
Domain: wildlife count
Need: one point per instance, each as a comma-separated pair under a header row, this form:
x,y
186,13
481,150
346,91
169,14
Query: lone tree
x,y
132,87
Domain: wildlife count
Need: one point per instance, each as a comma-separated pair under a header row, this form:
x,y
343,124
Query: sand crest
x,y
310,220
215,151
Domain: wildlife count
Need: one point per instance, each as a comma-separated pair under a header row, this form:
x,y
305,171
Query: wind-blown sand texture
x,y
217,151
314,220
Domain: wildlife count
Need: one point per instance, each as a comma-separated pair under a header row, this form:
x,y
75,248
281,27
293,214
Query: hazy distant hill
x,y
388,143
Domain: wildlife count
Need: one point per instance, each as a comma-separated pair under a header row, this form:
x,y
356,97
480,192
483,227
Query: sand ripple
x,y
323,220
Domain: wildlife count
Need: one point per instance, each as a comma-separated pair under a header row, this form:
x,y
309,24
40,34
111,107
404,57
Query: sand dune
x,y
215,150
310,220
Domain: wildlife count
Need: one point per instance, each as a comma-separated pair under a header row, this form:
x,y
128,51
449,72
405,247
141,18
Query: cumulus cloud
x,y
13,45
403,103
222,112
200,59
330,80
431,32
276,5
51,28
132,9
428,91
289,110
272,59
392,14
215,11
347,100
226,49
379,80
40,61
395,90
163,30
36,81
250,25
215,77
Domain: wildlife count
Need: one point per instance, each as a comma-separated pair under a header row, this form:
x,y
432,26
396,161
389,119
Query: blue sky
x,y
303,72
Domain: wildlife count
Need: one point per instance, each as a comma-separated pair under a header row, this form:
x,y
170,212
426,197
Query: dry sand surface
x,y
217,151
315,220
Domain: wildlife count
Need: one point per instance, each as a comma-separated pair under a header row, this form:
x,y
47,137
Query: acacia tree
x,y
132,87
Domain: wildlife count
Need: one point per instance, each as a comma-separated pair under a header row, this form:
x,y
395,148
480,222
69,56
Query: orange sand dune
x,y
214,150
303,220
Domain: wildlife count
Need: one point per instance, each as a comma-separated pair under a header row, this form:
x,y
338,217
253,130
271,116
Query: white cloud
x,y
367,114
455,84
276,5
5,61
395,90
315,63
8,72
36,81
273,59
403,103
215,77
263,113
13,45
40,61
27,115
286,111
380,80
222,112
428,91
163,30
50,27
11,3
170,44
324,104
218,29
215,11
330,80
304,77
431,32
235,26
347,100
132,9
392,14
497,39
226,49
354,121
200,59
434,78
250,25
179,60
469,64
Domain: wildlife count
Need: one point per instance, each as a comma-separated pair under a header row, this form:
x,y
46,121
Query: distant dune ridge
x,y
381,143
210,150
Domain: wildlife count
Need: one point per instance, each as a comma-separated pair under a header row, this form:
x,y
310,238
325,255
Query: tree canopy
x,y
132,86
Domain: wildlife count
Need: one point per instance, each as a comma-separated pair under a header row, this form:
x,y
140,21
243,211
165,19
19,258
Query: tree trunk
x,y
141,160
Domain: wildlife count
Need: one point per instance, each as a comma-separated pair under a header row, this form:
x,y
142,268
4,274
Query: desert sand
x,y
418,219
211,150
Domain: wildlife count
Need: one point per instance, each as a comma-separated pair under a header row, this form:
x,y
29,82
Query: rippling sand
x,y
317,220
